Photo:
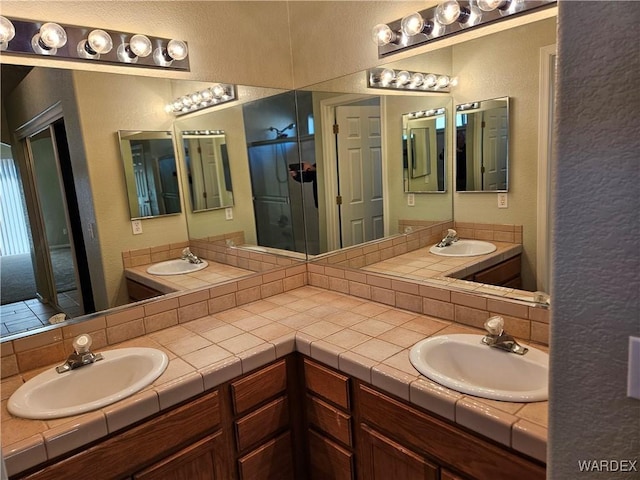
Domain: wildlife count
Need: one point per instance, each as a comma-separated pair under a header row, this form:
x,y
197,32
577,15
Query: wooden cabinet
x,y
137,291
382,458
504,274
199,461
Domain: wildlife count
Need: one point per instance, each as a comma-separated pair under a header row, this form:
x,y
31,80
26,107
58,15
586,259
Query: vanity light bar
x,y
467,106
186,133
209,97
405,80
70,42
427,113
448,18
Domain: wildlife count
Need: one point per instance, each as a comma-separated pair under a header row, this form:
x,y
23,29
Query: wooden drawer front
x,y
329,419
326,383
471,455
134,449
501,273
138,291
273,460
251,391
328,460
261,424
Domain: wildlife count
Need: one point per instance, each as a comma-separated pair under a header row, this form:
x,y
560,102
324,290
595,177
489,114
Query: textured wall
x,y
596,271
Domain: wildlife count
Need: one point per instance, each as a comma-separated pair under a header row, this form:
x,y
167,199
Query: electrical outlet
x,y
136,227
228,213
503,200
411,200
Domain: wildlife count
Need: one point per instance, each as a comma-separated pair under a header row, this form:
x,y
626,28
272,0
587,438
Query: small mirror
x,y
482,146
207,169
424,151
150,173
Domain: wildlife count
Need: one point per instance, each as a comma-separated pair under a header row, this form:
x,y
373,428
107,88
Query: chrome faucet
x,y
187,255
81,355
452,236
496,338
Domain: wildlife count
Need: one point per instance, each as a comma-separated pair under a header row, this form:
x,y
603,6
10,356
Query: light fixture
x,y
215,95
7,32
138,46
405,80
175,50
98,42
449,17
49,39
427,113
71,42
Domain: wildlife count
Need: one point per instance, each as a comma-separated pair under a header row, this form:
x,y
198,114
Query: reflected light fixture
x,y
427,113
20,37
7,32
447,18
209,97
410,81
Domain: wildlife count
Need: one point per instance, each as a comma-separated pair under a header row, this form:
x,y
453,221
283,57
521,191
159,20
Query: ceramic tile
x,y
435,398
425,325
346,318
272,331
530,439
347,338
284,345
325,352
130,410
222,333
485,420
372,327
303,343
219,372
241,343
299,321
206,356
25,454
177,391
400,361
377,350
177,368
402,337
536,412
256,357
188,344
69,436
356,365
169,335
392,380
321,329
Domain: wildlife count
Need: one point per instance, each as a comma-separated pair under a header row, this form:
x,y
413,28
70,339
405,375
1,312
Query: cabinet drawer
x,y
261,424
329,419
501,273
273,460
251,391
138,291
328,459
327,384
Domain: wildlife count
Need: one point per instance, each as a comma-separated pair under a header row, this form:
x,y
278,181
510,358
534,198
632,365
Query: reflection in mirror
x,y
424,151
482,146
150,173
207,169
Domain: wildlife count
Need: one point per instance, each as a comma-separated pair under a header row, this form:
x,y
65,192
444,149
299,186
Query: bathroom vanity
x,y
293,418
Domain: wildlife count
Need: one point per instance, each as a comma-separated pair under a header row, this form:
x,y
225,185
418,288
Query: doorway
x,y
57,253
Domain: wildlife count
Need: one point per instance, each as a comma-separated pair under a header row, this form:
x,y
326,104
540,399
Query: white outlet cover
x,y
136,227
503,200
411,200
228,213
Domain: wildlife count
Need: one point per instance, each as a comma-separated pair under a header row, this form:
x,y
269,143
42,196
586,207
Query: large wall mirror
x,y
151,173
424,151
482,146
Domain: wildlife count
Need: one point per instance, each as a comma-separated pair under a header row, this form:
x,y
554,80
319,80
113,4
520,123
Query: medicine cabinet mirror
x,y
206,163
150,172
424,151
482,146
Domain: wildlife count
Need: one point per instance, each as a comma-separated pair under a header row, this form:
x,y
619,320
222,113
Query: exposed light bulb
x,y
177,49
98,42
49,39
447,12
511,6
219,91
443,81
140,45
489,5
386,76
470,16
403,77
417,79
412,24
383,35
7,32
430,80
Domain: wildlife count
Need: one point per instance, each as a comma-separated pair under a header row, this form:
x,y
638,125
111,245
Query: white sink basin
x,y
176,267
464,248
463,363
121,373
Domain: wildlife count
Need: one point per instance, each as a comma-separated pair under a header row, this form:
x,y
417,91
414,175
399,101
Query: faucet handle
x,y
451,232
494,325
186,251
82,343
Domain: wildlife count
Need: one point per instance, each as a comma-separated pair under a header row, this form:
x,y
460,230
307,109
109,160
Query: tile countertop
x,y
364,339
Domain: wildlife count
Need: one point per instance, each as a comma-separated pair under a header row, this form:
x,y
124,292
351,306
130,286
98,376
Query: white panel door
x,y
360,174
494,155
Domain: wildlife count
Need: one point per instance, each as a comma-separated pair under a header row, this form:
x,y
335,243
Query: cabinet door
x,y
383,459
200,461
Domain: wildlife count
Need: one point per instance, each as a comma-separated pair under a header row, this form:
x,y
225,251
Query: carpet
x,y
17,280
